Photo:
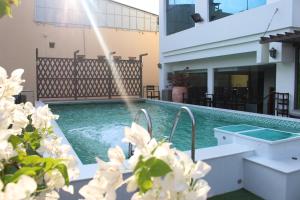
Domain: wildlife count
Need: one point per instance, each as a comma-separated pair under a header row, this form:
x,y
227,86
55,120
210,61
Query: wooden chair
x,y
152,92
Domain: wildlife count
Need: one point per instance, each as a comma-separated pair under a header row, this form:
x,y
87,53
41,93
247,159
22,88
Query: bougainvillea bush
x,y
34,164
159,172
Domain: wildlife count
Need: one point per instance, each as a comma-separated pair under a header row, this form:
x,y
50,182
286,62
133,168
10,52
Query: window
x,y
223,8
107,13
179,15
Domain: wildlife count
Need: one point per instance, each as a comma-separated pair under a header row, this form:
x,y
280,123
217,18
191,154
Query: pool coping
x,y
87,171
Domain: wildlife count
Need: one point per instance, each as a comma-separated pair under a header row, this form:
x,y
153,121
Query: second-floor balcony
x,y
238,27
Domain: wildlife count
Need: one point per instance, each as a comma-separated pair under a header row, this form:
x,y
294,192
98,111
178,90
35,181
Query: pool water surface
x,y
94,127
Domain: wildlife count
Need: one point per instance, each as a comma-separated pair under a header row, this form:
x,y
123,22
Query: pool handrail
x,y
191,115
136,120
148,119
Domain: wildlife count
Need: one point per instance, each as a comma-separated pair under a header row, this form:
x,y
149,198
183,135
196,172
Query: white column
x,y
210,80
285,80
163,73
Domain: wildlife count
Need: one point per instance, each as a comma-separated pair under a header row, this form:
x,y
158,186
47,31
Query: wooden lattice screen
x,y
80,77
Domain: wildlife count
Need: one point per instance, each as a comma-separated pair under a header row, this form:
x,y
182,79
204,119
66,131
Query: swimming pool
x,y
91,128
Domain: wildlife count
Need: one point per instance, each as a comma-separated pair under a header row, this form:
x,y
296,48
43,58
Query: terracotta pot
x,y
177,94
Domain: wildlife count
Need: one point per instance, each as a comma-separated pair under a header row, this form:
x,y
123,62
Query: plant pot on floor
x,y
178,92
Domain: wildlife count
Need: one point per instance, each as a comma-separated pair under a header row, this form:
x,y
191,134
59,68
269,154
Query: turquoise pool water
x,y
259,132
92,128
269,134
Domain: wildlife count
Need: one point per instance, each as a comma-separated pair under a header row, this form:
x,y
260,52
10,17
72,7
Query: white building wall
x,y
232,41
285,80
237,27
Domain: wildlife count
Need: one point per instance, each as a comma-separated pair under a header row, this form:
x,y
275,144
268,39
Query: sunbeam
x,y
86,6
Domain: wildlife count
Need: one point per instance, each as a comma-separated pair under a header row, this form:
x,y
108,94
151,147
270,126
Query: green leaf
x,y
51,163
32,160
15,140
29,171
159,168
139,164
33,139
147,185
63,170
5,7
144,180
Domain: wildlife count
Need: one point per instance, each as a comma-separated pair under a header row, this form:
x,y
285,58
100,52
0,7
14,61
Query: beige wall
x,y
20,35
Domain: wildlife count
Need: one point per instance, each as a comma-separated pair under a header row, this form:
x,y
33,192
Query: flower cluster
x,y
33,162
159,172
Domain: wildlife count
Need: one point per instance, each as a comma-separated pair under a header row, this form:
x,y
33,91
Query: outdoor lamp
x,y
197,18
51,45
273,52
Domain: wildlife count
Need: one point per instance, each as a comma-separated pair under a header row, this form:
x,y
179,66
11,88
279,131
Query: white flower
x,y
116,155
42,117
28,108
200,170
6,109
50,195
183,181
10,86
6,150
69,189
1,185
20,190
131,184
103,186
19,118
137,136
54,179
13,119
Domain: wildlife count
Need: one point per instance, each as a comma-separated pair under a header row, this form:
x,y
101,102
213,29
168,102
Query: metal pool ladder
x,y
149,126
184,108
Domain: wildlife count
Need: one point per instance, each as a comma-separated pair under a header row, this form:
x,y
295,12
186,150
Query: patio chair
x,y
152,92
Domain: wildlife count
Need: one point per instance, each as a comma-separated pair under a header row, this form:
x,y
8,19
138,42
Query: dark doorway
x,y
244,88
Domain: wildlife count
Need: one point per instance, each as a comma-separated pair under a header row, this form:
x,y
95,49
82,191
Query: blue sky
x,y
148,5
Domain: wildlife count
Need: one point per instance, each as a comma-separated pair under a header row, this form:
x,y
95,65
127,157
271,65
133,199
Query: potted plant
x,y
179,83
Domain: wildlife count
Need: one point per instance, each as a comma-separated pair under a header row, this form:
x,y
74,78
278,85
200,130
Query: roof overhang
x,y
287,37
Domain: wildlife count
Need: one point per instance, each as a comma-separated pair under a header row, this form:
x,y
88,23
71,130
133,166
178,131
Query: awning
x,y
288,37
